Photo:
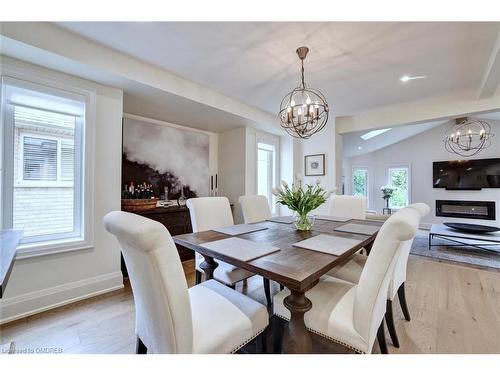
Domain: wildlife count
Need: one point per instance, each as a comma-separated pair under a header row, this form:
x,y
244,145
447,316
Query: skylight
x,y
374,133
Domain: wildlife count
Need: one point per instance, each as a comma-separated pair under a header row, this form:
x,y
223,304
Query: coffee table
x,y
481,241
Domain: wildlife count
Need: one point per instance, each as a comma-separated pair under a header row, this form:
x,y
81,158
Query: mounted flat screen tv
x,y
467,174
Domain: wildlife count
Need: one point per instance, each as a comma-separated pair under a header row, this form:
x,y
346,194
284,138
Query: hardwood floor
x,y
454,309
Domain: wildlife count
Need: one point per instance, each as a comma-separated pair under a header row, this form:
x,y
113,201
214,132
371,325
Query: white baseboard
x,y
42,300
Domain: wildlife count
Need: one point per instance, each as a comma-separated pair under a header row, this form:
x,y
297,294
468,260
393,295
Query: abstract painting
x,y
165,157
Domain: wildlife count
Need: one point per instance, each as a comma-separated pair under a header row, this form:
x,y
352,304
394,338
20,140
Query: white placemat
x,y
282,219
332,218
239,248
236,230
326,243
367,230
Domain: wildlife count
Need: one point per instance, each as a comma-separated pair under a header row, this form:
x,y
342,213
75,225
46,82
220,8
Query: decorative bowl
x,y
471,228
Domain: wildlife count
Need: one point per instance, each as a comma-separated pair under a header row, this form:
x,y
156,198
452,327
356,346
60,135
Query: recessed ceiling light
x,y
411,78
373,133
359,147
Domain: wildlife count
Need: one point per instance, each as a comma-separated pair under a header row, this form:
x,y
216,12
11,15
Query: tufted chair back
x,y
162,306
399,275
348,206
255,208
209,212
371,294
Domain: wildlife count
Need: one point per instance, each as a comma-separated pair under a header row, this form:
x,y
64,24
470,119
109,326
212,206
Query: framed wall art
x,y
314,165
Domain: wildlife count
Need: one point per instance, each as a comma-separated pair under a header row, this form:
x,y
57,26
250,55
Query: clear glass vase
x,y
304,221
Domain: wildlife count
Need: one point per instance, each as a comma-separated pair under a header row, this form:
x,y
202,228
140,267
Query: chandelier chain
x,y
302,72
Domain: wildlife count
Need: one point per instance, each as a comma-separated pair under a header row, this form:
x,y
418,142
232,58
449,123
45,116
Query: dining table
x,y
295,268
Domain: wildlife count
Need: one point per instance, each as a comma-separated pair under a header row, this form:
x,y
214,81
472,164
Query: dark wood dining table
x,y
296,268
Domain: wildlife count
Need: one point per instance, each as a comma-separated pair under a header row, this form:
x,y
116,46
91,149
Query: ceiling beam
x,y
457,104
70,47
491,77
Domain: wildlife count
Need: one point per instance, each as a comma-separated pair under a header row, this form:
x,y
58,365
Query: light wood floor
x,y
454,309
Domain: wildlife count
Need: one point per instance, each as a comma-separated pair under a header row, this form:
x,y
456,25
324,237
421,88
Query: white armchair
x,y
206,214
348,206
351,271
255,208
170,318
350,314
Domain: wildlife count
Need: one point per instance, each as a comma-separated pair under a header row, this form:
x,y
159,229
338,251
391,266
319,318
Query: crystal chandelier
x,y
303,111
468,137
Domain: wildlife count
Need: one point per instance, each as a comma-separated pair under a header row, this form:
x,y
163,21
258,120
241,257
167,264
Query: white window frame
x,y
29,79
19,180
261,138
367,182
388,179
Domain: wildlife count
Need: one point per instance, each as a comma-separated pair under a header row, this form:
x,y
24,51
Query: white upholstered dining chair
x,y
208,213
350,206
256,208
351,271
350,314
170,318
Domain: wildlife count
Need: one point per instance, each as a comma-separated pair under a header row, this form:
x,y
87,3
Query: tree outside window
x,y
399,179
360,182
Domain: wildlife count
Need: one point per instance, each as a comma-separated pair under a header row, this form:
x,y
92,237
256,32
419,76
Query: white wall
x,y
323,142
232,161
43,282
419,152
238,163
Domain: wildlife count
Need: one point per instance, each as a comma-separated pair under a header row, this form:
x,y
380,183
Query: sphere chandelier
x,y
468,137
303,111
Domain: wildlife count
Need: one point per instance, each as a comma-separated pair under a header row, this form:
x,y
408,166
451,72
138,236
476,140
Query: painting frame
x,y
310,167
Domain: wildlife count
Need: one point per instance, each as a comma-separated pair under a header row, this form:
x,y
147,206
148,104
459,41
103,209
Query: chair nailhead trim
x,y
327,337
246,342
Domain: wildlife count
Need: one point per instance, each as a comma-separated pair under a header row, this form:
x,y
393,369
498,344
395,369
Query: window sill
x,y
44,184
26,251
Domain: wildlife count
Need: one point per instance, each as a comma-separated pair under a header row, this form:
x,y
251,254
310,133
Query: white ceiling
x,y
353,141
354,145
356,64
138,99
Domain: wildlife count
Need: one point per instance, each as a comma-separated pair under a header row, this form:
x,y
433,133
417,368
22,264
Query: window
x,y
43,160
39,159
267,172
399,178
360,182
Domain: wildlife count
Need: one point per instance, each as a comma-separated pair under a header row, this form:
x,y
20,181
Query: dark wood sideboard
x,y
176,219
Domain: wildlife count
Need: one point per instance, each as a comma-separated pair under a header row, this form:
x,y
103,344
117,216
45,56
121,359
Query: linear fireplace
x,y
466,209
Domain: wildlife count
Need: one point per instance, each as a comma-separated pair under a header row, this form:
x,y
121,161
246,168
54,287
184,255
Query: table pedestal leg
x,y
208,266
368,247
296,338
